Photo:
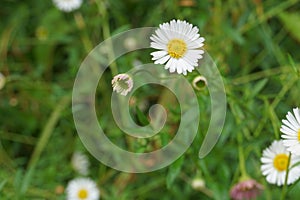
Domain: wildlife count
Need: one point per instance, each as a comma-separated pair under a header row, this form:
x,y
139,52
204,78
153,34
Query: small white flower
x,y
122,83
80,163
198,184
291,132
130,43
178,43
2,80
199,82
67,5
275,162
82,189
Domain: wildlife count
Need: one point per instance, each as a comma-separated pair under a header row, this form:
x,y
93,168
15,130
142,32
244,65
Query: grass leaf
x,y
291,22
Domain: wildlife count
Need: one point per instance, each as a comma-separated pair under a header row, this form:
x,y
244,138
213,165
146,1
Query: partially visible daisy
x,y
80,163
122,83
67,5
178,43
275,162
247,189
82,189
291,132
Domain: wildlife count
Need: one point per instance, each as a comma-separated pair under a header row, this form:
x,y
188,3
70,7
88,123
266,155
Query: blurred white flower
x,y
122,83
198,184
67,5
82,189
291,132
178,43
130,43
80,163
275,162
2,80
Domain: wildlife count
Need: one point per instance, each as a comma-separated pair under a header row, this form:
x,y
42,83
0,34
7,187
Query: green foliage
x,y
291,22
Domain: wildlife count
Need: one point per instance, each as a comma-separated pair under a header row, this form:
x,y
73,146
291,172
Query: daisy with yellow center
x,y
67,5
291,131
82,189
179,45
275,163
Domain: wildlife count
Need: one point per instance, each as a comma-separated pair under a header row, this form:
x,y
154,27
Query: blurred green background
x,y
255,44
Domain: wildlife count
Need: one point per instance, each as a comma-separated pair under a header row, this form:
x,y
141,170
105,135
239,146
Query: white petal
x,y
292,120
290,125
172,65
158,54
162,60
297,114
157,46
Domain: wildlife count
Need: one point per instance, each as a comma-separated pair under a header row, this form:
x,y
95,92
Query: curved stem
x,y
83,33
284,188
106,35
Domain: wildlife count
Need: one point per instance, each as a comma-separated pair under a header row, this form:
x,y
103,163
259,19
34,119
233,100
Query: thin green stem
x,y
262,74
18,137
241,157
44,138
83,33
242,164
269,14
106,34
284,188
274,104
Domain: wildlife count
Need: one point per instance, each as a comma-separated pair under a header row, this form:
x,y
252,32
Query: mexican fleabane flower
x,y
82,189
122,83
245,190
67,5
291,132
275,162
80,163
199,82
178,44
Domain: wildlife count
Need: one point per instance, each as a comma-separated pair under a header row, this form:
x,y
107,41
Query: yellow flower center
x,y
177,48
299,135
281,162
83,193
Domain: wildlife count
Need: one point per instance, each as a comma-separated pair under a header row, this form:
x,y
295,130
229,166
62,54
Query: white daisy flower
x,y
122,83
291,132
80,163
67,5
178,43
274,164
82,189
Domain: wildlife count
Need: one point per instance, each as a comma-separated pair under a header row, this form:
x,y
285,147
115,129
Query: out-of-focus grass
x,y
254,43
